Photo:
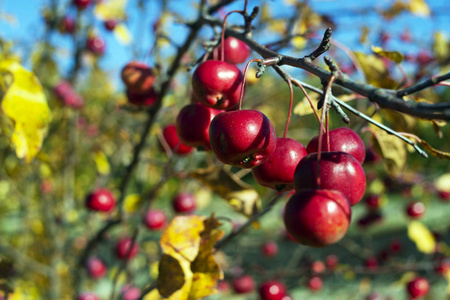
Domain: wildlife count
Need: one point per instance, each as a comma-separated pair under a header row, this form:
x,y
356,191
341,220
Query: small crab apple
x,y
82,4
341,139
193,125
184,203
146,99
130,292
418,287
155,219
278,171
373,201
235,51
317,267
242,138
415,209
67,25
126,248
173,141
244,284
337,171
101,200
315,283
217,84
88,296
138,77
270,249
317,218
331,261
110,24
95,267
272,290
96,45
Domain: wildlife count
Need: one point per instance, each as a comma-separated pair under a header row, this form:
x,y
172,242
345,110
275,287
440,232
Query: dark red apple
x,y
138,77
371,262
184,203
96,268
217,84
82,4
443,268
373,201
193,123
235,51
126,249
331,261
272,290
243,284
341,139
415,209
171,137
444,195
278,171
88,296
418,287
338,171
101,200
148,98
96,45
270,249
110,24
317,218
67,25
242,138
315,283
155,219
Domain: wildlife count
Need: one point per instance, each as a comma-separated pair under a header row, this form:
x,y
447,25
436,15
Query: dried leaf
x,y
395,56
364,34
375,71
422,237
171,276
393,151
434,152
242,197
24,102
397,8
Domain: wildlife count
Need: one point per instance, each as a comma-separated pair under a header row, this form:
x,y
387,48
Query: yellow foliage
x,y
132,202
101,161
110,10
419,8
122,34
24,102
392,149
442,183
395,56
422,237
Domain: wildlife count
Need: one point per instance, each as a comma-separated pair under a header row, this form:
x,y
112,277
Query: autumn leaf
x,y
419,8
110,10
442,183
122,34
101,161
392,149
375,71
188,270
24,102
395,56
422,237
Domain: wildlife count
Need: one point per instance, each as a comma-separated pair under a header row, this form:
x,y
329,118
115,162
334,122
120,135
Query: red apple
x,y
317,267
82,4
217,84
317,218
126,249
172,139
67,25
130,292
243,138
331,261
272,290
96,45
341,139
415,209
96,268
270,249
138,77
315,283
110,24
244,284
143,100
184,203
155,219
278,171
235,51
418,287
101,200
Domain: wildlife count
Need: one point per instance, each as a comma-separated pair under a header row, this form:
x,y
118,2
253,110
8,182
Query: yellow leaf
x,y
132,202
395,56
433,151
122,34
153,295
101,161
419,8
424,239
442,183
24,102
278,26
440,46
393,151
375,71
364,34
110,10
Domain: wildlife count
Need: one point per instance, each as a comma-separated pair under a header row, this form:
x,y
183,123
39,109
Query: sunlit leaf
x,y
441,46
422,237
24,102
122,34
393,151
132,202
395,56
101,161
110,10
396,8
171,276
442,183
433,151
375,70
419,8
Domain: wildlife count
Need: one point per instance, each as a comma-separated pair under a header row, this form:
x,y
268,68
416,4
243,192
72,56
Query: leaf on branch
x,y
111,10
433,151
441,47
122,34
419,8
395,56
392,149
187,269
24,102
241,196
422,237
375,71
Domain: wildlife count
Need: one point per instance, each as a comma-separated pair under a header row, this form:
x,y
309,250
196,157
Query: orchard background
x,y
68,128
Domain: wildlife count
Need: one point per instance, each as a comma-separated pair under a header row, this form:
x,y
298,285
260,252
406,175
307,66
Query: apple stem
x,y
327,120
241,95
224,25
289,82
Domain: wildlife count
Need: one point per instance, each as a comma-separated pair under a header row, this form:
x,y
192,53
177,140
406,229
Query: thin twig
x,y
423,85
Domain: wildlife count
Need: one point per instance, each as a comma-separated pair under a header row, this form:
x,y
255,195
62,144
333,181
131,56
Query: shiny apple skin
x,y
278,171
338,171
317,218
217,84
242,138
341,139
